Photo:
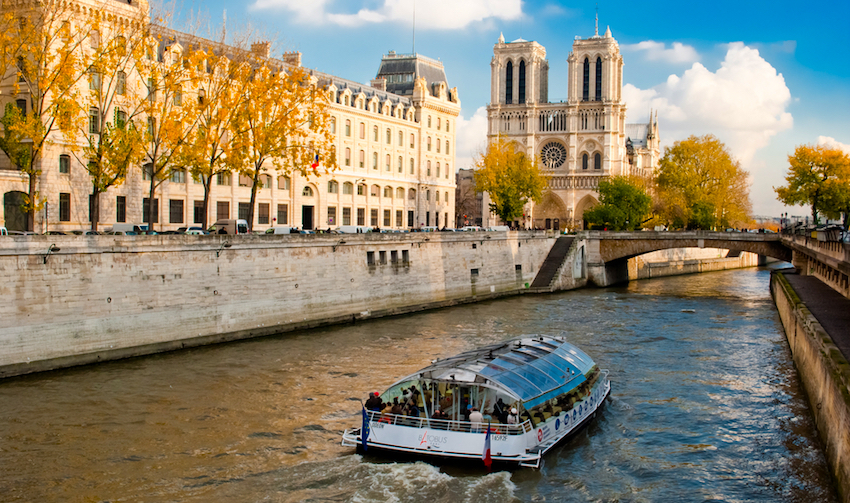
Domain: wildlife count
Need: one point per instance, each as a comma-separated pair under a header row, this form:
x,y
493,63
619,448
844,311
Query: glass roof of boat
x,y
533,369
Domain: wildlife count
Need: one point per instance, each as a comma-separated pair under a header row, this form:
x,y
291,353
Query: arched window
x,y
362,158
439,122
428,168
447,147
362,131
585,89
438,145
387,163
584,161
361,189
438,170
447,170
333,187
447,197
411,166
428,144
521,82
388,192
437,196
597,161
347,156
509,83
374,160
375,191
428,195
429,121
411,194
412,140
375,133
347,188
389,136
333,125
598,79
399,193
400,164
400,139
307,192
347,127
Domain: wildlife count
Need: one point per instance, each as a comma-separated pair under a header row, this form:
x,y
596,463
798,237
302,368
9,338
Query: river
x,y
705,406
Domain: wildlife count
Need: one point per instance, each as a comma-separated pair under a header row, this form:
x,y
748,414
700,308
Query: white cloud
x,y
436,14
833,143
743,103
471,138
657,51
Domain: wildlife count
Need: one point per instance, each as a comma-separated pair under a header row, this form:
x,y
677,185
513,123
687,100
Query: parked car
x,y
471,228
134,228
119,233
196,232
354,229
54,233
498,228
85,232
185,230
22,233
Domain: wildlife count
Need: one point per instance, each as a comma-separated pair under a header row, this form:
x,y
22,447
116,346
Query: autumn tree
x,y
221,95
820,177
510,177
284,125
106,126
40,45
701,186
623,205
169,72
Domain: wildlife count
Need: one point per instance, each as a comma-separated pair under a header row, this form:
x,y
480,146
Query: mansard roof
x,y
414,65
637,133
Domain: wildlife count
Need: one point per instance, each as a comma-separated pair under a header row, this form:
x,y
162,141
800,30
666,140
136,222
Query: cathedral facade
x,y
578,142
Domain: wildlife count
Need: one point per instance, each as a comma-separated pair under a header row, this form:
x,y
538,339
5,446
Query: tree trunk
x,y
253,199
95,207
207,188
32,204
152,209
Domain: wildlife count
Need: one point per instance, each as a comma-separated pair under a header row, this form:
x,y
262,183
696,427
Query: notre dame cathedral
x,y
578,142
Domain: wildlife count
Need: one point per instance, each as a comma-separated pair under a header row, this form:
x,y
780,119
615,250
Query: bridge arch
x,y
625,245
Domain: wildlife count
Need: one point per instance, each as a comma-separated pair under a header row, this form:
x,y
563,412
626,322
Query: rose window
x,y
553,155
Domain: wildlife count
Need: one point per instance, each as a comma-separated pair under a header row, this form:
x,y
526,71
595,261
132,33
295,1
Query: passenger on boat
x,y
500,410
397,408
513,417
446,402
374,402
439,414
476,418
388,408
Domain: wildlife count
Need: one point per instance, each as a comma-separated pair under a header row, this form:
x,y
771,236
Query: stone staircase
x,y
549,270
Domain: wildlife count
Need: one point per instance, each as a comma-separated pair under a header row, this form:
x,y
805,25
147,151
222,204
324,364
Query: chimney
x,y
380,84
261,49
292,58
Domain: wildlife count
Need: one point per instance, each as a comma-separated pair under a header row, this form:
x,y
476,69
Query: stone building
x,y
394,139
578,142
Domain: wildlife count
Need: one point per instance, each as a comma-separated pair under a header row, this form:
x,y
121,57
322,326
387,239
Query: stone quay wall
x,y
676,261
99,298
825,374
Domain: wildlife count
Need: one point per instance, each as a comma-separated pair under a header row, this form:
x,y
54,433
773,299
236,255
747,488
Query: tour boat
x,y
554,387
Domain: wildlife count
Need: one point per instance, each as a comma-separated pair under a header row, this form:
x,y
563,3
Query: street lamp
x,y
226,244
51,249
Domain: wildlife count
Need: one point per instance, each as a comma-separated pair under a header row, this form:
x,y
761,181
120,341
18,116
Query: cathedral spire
x,y
596,30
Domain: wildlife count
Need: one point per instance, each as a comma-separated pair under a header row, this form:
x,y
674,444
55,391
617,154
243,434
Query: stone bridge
x,y
607,253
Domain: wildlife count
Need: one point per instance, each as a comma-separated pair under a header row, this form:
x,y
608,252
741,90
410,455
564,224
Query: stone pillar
x,y
800,262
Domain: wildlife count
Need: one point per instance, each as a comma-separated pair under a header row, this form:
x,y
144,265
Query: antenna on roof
x,y
596,30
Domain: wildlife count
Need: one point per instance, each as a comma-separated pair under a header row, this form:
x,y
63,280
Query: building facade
x,y
394,141
578,142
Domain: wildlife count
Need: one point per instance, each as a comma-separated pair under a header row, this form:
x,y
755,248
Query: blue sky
x,y
762,76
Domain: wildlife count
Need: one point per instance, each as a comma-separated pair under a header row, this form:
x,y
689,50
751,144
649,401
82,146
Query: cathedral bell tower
x,y
519,73
596,70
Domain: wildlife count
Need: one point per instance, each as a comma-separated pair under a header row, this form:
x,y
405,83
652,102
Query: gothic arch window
x,y
521,99
597,161
585,89
584,160
307,192
509,83
598,79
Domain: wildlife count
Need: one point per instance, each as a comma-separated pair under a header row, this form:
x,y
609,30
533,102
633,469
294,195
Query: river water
x,y
705,406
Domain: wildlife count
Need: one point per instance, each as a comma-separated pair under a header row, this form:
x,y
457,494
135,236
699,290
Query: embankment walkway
x,y
830,308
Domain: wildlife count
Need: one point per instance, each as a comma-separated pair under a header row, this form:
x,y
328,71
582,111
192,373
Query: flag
x,y
315,162
488,462
364,430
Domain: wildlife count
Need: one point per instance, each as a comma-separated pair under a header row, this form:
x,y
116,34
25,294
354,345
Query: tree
x,y
700,185
285,124
623,205
106,117
170,72
820,177
511,178
222,93
38,43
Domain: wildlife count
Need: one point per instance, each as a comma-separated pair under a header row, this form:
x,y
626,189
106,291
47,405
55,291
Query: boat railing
x,y
443,424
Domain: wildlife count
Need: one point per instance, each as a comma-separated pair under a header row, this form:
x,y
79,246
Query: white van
x,y
134,228
498,228
354,229
229,226
471,228
279,230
